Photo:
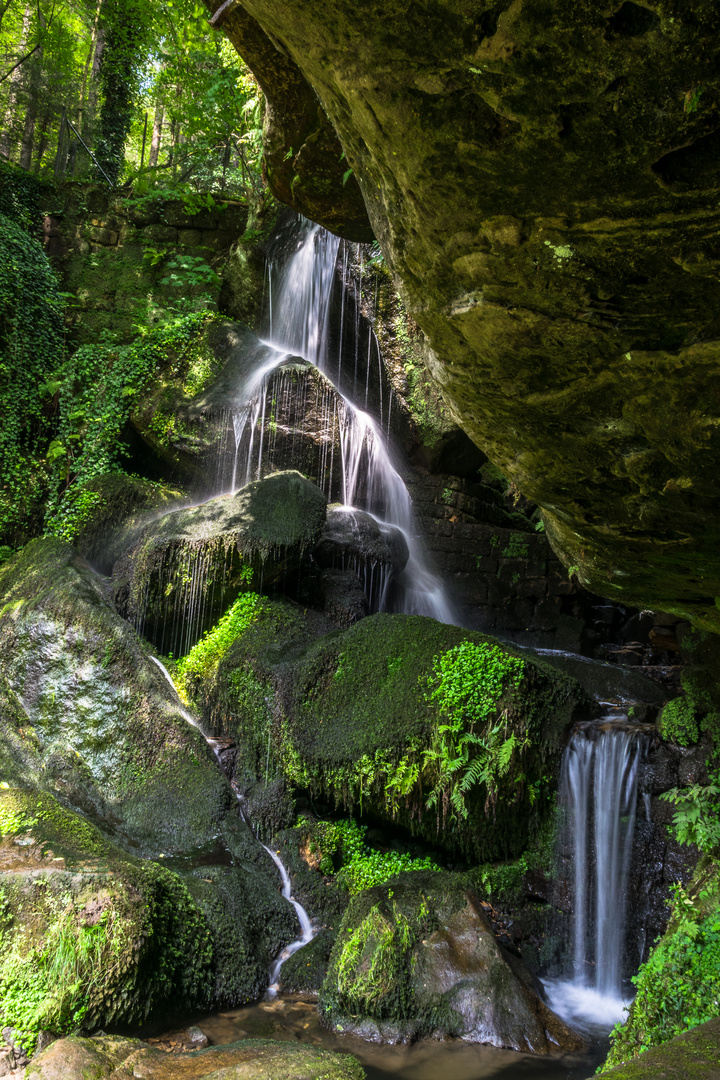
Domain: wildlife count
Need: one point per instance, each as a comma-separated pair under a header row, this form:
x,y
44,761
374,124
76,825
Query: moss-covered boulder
x,y
190,564
117,507
115,1058
542,177
91,714
93,936
694,1055
418,956
354,717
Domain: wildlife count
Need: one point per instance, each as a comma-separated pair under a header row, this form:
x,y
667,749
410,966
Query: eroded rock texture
x,y
543,178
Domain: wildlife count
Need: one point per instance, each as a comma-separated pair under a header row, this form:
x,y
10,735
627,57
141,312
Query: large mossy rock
x,y
118,507
417,956
100,769
93,935
339,715
694,1055
93,717
116,1058
543,179
189,565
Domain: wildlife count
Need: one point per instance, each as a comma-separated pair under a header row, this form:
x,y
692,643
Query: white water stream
x,y
300,305
306,928
598,800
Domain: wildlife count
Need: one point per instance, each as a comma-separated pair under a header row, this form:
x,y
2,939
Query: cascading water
x,y
306,928
369,479
598,803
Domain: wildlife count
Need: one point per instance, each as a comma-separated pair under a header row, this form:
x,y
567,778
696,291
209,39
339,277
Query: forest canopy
x,y
150,90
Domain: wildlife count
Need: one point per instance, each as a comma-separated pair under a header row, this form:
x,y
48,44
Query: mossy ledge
x,y
349,718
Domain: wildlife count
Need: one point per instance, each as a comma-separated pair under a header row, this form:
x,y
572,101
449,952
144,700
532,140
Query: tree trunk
x,y
156,135
44,136
35,82
6,143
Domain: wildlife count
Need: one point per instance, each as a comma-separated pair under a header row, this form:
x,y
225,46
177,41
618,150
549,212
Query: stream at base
x,y
293,1018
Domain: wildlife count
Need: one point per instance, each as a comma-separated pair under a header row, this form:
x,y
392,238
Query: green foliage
x,y
362,867
678,722
203,659
373,960
517,548
31,349
126,24
679,985
183,271
97,388
470,742
697,817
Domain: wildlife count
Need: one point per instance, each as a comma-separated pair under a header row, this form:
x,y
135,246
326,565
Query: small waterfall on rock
x,y
360,473
306,928
598,802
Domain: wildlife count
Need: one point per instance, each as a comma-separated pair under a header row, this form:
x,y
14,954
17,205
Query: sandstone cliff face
x,y
543,180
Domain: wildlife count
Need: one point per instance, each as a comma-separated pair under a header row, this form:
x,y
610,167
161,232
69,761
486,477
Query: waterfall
x,y
598,800
306,928
370,479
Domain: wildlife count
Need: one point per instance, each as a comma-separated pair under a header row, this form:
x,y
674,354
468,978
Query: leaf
x,y
346,176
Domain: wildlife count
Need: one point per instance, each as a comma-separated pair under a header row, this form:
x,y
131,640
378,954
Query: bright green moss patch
x,y
362,867
203,659
678,722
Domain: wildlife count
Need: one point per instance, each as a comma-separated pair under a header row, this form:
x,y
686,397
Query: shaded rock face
x,y
189,565
372,550
115,1057
436,966
543,180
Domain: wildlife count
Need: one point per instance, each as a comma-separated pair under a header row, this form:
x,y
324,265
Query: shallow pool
x,y
293,1017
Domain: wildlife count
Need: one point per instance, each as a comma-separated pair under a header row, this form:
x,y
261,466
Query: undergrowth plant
x,y
96,390
471,740
679,985
202,660
362,867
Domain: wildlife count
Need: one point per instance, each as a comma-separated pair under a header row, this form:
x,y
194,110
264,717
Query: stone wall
x,y
113,254
505,577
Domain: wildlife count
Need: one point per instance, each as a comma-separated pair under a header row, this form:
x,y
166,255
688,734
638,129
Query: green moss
x,y
361,867
113,941
678,722
678,986
201,662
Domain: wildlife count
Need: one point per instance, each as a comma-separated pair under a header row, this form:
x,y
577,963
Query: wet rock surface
x,y
188,566
114,1057
437,968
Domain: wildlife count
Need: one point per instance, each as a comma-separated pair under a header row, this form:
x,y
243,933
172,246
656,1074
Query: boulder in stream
x,y
417,956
